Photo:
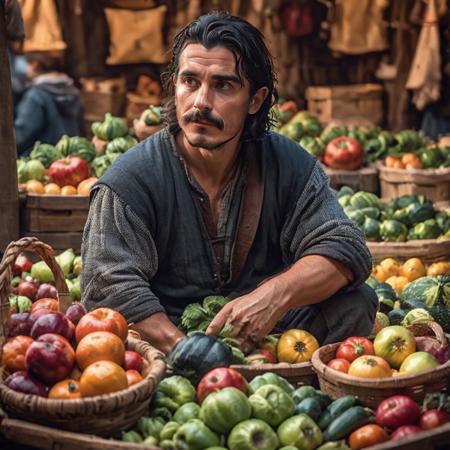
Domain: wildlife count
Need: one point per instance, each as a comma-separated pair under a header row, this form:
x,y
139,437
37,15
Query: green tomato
x,y
300,431
169,430
271,404
195,435
252,434
150,426
187,411
132,436
167,444
20,303
270,378
150,440
418,362
223,409
178,389
35,170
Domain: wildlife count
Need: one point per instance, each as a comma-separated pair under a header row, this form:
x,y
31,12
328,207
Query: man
x,y
51,105
214,204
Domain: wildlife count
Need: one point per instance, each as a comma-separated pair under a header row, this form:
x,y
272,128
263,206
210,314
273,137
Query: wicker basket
x,y
296,374
372,391
102,415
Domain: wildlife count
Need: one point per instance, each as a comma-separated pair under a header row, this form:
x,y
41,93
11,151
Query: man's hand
x,y
310,280
251,316
159,331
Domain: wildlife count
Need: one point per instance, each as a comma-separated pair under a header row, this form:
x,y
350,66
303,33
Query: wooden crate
x,y
365,179
56,220
100,96
356,103
434,183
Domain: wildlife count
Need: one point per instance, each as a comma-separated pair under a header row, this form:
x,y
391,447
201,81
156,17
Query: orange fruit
x,y
69,190
390,266
65,390
35,187
52,189
409,158
412,269
380,274
397,283
102,377
133,377
99,346
84,188
390,161
14,350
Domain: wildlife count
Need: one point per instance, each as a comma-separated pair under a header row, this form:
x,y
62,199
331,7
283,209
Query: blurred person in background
x,y
50,107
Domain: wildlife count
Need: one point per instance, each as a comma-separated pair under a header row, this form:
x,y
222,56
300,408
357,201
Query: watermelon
x,y
365,200
429,290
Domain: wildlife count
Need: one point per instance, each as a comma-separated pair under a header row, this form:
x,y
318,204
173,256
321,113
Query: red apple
x,y
46,290
50,358
133,361
48,303
220,378
21,264
75,312
38,313
23,382
53,322
102,319
19,324
27,289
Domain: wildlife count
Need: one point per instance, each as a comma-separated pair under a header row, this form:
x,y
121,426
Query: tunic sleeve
x,y
317,225
119,259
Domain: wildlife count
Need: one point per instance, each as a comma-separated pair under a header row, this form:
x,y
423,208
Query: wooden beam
x,y
9,196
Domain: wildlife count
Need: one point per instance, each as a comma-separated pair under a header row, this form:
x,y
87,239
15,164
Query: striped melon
x,y
429,290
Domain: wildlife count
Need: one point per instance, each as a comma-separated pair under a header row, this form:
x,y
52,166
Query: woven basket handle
x,y
45,252
429,328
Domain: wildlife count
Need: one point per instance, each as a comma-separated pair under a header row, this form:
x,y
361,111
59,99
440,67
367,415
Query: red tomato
x,y
45,303
220,378
70,171
102,319
353,347
340,364
366,436
396,411
22,264
133,377
344,153
434,418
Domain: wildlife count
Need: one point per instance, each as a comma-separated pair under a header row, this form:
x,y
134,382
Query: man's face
x,y
211,102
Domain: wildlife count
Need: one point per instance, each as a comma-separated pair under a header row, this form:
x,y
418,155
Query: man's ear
x,y
258,99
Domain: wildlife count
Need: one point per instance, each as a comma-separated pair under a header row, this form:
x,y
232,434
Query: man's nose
x,y
202,99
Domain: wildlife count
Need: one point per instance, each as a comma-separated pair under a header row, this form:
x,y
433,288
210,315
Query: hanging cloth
x,y
359,27
42,27
425,73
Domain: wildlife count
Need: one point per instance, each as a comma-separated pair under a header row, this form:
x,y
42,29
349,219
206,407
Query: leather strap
x,y
249,215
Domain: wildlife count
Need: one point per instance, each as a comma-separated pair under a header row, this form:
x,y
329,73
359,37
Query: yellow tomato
x,y
35,187
412,269
397,283
69,190
52,189
390,266
296,346
369,366
439,268
380,274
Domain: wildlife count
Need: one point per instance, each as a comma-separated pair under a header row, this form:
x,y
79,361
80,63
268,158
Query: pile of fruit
x,y
66,168
224,411
409,217
33,282
351,147
71,355
394,352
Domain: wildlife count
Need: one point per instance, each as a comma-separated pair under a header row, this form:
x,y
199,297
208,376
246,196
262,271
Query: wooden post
x,y
9,195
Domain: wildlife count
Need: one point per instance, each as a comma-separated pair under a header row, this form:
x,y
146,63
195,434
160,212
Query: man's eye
x,y
191,82
223,85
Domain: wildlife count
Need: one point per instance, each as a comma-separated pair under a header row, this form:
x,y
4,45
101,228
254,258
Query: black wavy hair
x,y
253,61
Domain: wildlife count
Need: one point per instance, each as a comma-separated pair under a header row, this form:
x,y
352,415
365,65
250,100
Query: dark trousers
x,y
342,315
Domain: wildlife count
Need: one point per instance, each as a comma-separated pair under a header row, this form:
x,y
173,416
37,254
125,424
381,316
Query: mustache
x,y
204,116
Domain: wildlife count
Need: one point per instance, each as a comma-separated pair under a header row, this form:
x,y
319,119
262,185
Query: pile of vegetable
x,y
68,167
432,157
293,346
394,352
224,411
405,218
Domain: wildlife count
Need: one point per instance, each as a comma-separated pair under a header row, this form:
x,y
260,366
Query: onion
x,y
432,345
46,290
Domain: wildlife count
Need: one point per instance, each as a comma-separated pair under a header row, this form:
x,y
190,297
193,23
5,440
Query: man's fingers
x,y
217,323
